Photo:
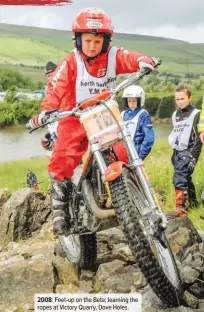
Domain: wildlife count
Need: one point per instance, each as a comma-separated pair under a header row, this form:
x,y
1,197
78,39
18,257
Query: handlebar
x,y
132,79
55,114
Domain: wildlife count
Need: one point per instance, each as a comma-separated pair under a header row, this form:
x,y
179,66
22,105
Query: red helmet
x,y
92,20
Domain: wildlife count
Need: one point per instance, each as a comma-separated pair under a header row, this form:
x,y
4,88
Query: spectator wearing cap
x,y
49,70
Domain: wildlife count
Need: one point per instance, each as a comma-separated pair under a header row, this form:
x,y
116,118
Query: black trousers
x,y
182,178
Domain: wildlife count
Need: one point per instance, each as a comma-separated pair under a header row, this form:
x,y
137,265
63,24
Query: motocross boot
x,y
192,196
182,202
60,206
182,205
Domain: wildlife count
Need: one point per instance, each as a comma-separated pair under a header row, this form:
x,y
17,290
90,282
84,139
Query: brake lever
x,y
49,112
42,126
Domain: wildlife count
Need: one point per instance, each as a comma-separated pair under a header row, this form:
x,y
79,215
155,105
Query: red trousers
x,y
69,148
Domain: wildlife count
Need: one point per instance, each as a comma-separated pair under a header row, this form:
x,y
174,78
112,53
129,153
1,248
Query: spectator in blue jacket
x,y
138,120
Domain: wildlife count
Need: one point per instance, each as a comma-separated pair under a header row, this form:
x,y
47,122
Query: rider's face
x,y
92,44
182,99
132,103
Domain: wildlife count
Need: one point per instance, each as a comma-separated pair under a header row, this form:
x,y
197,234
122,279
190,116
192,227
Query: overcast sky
x,y
179,19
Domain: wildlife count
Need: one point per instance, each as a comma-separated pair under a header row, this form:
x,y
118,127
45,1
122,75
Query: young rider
x,y
87,70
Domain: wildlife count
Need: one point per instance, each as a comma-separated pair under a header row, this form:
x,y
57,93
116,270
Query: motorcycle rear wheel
x,y
80,249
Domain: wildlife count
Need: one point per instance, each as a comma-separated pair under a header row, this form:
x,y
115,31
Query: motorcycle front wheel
x,y
156,262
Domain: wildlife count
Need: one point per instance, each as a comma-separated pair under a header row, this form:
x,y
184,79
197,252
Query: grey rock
x,y
23,213
188,275
190,250
107,269
197,289
5,194
191,300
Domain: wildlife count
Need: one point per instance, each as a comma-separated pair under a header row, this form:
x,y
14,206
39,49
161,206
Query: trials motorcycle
x,y
111,193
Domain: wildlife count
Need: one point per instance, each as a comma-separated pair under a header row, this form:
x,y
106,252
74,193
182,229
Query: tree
x,y
9,78
10,97
153,80
167,107
152,104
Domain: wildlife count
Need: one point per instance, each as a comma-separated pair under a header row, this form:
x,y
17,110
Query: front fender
x,y
114,170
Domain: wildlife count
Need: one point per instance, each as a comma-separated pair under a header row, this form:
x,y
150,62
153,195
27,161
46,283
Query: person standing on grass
x,y
138,122
31,179
186,144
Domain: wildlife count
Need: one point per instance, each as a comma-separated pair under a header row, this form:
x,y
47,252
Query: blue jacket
x,y
144,135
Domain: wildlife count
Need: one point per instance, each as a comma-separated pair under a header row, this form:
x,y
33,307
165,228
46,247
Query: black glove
x,y
191,165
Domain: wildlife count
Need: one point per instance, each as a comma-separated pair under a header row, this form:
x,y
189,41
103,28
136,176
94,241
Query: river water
x,y
17,143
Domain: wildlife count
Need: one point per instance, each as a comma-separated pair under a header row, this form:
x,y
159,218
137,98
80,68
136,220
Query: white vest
x,y
131,124
88,85
180,135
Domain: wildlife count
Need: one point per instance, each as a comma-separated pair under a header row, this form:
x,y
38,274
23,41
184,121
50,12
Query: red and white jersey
x,y
78,78
88,85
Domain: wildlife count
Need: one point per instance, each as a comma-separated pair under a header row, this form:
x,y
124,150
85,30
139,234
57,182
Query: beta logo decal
x,y
101,72
94,24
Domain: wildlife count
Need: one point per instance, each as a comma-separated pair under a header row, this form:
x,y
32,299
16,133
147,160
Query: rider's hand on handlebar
x,y
147,62
38,120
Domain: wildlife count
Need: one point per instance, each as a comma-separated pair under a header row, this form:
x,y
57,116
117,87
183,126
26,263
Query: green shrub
x,y
167,107
152,105
18,112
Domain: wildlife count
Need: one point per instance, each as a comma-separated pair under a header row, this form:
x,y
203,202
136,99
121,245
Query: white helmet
x,y
135,92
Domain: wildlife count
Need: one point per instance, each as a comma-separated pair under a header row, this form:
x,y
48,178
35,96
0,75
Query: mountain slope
x,y
35,46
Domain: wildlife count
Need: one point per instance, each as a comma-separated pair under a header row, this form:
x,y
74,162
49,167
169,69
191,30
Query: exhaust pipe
x,y
91,203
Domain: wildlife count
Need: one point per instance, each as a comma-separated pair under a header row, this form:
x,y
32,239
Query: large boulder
x,y
32,261
33,267
5,194
24,212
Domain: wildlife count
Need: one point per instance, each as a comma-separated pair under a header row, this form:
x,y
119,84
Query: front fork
x,y
147,188
141,173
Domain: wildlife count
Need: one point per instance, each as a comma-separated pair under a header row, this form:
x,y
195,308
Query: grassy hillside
x,y
27,51
35,46
34,73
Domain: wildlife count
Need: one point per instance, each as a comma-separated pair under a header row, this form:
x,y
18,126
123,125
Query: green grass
x,y
16,50
13,174
34,73
37,45
160,170
158,166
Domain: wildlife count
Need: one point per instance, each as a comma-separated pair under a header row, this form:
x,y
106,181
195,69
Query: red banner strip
x,y
35,2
